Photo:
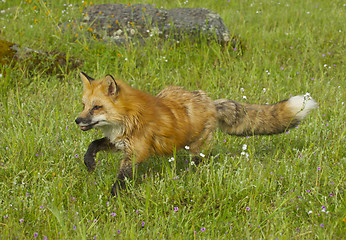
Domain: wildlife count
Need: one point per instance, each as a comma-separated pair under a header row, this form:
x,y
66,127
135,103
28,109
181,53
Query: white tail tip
x,y
301,105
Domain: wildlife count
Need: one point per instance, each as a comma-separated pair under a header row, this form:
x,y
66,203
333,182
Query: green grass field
x,y
291,186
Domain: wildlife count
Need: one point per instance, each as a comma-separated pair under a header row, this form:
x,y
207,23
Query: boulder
x,y
139,22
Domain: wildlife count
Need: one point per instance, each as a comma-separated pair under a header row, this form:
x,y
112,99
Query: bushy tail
x,y
253,119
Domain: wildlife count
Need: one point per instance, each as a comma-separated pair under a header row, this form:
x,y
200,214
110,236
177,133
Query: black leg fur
x,y
102,144
126,171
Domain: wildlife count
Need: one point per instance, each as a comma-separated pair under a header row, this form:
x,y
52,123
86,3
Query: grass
x,y
291,186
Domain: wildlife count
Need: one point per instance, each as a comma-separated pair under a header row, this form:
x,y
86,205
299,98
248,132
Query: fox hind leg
x,y
202,146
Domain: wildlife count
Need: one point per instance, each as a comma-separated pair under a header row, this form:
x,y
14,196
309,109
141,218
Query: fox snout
x,y
78,120
84,123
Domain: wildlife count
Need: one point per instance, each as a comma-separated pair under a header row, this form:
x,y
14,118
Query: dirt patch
x,y
46,62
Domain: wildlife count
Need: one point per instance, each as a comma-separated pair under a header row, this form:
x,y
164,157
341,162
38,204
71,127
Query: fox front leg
x,y
126,171
102,144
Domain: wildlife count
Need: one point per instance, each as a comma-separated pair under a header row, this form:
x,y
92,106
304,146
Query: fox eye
x,y
96,107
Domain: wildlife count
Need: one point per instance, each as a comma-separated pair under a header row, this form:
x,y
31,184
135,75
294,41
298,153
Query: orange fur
x,y
142,125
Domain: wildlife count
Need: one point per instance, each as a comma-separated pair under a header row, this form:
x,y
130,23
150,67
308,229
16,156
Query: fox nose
x,y
78,120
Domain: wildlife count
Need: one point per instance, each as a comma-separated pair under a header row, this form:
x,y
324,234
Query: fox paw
x,y
91,169
89,163
118,186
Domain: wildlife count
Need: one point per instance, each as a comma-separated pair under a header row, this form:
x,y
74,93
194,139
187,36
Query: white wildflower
x,y
244,147
307,96
202,155
171,159
187,147
244,154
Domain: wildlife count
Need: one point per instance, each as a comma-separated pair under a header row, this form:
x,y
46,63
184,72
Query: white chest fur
x,y
114,133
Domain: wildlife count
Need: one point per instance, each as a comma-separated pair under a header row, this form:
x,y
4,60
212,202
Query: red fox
x,y
140,124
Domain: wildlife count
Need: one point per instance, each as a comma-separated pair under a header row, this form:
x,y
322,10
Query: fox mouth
x,y
88,127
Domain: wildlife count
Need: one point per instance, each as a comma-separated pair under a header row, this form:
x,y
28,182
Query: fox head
x,y
99,99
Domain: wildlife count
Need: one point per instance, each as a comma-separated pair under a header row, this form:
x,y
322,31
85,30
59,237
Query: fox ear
x,y
112,85
86,79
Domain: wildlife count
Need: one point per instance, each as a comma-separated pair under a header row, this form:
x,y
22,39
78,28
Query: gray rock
x,y
122,23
